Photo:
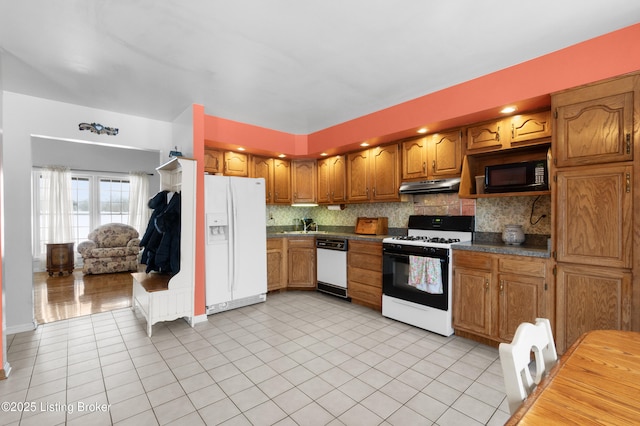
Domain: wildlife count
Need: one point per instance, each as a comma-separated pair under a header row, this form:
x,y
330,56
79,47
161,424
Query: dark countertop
x,y
499,248
328,234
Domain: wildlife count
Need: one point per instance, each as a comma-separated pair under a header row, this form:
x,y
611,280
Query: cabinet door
x,y
594,210
302,263
486,136
472,301
281,181
520,299
590,298
263,168
338,179
236,164
358,176
528,129
303,181
324,176
276,264
446,154
213,161
595,131
414,158
385,173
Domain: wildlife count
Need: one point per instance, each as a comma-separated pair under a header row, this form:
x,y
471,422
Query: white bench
x,y
160,299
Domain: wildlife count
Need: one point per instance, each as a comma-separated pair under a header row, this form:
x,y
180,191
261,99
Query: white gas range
x,y
417,272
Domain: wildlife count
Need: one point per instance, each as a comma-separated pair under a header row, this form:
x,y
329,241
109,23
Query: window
x,y
97,200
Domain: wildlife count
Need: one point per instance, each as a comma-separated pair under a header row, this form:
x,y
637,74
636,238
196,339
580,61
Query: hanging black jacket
x,y
161,240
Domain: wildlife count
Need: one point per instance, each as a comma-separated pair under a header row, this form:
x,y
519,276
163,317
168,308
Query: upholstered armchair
x,y
113,247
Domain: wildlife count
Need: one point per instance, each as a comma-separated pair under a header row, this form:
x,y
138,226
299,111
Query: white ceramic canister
x,y
513,235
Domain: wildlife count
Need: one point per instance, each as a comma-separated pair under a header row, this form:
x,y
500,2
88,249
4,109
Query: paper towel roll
x,y
336,207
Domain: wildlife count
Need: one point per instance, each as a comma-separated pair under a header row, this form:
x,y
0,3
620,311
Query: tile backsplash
x,y
491,213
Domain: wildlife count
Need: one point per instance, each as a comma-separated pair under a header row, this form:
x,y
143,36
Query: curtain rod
x,y
90,171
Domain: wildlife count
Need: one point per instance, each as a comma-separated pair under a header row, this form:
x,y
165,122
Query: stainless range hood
x,y
430,186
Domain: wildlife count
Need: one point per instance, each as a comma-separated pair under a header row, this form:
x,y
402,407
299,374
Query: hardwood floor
x,y
62,297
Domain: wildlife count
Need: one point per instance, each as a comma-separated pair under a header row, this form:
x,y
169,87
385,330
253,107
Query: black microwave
x,y
517,177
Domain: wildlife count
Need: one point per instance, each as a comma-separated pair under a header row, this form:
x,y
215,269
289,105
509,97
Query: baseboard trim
x,y
15,329
196,319
5,371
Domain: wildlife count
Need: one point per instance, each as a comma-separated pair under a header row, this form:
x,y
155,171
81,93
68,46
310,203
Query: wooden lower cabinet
x,y
522,291
591,298
494,293
472,301
364,273
301,263
276,264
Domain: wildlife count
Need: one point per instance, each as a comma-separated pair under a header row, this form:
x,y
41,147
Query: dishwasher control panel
x,y
332,243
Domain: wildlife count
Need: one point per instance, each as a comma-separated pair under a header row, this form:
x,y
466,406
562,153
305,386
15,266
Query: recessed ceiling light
x,y
240,149
281,156
364,144
423,130
508,110
323,154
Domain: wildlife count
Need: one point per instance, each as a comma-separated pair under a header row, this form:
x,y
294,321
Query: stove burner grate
x,y
439,240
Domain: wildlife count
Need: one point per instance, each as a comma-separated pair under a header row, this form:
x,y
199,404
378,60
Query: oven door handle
x,y
406,256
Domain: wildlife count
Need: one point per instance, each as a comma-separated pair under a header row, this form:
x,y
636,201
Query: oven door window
x,y
413,278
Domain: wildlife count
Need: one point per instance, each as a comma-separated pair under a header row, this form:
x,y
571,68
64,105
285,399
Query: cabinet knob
x,y
501,286
486,285
433,166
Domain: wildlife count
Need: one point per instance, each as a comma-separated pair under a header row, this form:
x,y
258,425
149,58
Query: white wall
x,y
24,117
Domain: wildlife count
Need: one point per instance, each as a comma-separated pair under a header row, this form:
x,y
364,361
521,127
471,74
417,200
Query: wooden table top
x,y
596,381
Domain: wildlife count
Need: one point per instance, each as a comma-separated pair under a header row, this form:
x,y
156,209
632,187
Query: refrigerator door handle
x,y
232,237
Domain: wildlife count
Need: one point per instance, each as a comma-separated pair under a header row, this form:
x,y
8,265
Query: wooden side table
x,y
60,258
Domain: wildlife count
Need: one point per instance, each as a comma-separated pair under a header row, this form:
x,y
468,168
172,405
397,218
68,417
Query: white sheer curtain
x,y
58,203
138,201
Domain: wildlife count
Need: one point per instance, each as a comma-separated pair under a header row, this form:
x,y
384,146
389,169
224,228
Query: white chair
x,y
515,358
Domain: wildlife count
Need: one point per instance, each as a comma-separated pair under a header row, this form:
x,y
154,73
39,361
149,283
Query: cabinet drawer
x,y
365,293
302,243
365,261
373,278
365,247
275,243
534,268
472,260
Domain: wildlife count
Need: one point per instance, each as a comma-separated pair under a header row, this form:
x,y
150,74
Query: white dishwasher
x,y
331,265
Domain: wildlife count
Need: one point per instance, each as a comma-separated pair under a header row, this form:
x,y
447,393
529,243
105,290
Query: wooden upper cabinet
x,y
277,177
281,181
594,215
385,173
236,164
303,181
414,158
213,161
486,136
594,124
446,154
332,180
262,167
527,129
358,176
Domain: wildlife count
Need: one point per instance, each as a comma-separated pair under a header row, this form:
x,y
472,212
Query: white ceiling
x,y
292,65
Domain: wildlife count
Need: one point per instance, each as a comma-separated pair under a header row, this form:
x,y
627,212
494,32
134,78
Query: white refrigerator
x,y
236,242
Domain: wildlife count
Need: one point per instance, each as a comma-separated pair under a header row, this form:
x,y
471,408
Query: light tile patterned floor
x,y
301,358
